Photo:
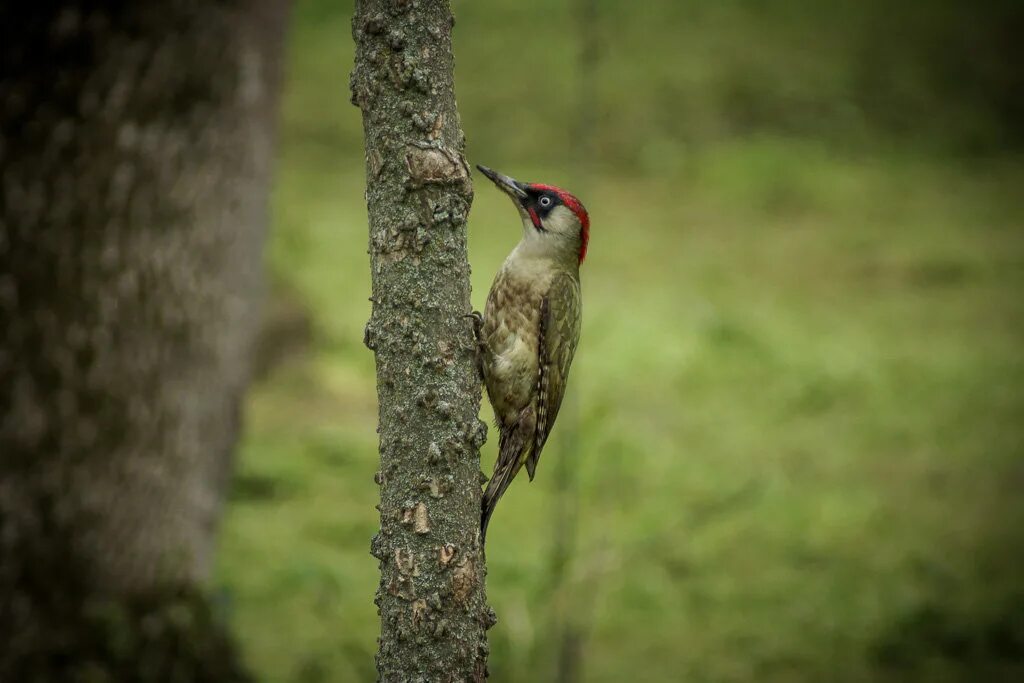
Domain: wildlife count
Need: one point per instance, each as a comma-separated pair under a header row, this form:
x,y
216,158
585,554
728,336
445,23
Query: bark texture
x,y
135,155
431,597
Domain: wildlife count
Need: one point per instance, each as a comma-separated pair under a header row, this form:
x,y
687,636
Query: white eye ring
x,y
545,201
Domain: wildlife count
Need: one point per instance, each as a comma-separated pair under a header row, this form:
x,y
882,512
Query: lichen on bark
x,y
431,598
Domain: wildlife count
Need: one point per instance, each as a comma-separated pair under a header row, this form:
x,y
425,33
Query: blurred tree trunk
x,y
431,598
135,156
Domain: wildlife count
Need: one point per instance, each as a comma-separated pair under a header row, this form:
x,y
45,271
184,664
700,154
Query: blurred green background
x,y
794,438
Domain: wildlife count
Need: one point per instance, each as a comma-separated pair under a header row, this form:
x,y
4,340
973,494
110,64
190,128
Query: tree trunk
x,y
135,155
431,597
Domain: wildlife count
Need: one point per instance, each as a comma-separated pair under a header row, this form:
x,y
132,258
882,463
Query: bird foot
x,y
478,335
478,324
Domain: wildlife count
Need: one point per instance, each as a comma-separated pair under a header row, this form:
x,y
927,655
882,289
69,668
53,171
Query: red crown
x,y
576,206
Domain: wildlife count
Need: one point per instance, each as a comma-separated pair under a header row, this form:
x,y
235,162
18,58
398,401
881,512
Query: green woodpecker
x,y
530,327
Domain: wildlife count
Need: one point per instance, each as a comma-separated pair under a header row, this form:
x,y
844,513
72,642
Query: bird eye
x,y
545,201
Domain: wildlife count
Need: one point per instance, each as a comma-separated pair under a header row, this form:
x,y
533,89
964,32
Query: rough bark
x,y
431,597
135,154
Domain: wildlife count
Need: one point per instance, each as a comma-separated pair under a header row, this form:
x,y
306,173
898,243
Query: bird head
x,y
552,218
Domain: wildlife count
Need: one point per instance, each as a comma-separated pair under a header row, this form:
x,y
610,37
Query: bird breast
x,y
511,326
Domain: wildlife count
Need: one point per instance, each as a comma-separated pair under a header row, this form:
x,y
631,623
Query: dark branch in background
x,y
431,596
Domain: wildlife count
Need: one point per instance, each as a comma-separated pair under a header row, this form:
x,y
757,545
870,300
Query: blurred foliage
x,y
677,75
799,437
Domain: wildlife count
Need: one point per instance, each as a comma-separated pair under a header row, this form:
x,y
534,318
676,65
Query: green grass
x,y
795,418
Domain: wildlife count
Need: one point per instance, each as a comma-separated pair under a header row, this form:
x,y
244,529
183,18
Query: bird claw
x,y
481,345
478,323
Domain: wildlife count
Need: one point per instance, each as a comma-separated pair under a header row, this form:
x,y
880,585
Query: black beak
x,y
509,186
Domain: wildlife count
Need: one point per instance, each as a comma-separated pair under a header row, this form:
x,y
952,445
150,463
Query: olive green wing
x,y
560,318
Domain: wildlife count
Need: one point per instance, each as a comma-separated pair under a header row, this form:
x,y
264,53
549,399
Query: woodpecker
x,y
528,332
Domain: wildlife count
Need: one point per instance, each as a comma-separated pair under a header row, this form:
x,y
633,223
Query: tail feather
x,y
510,461
495,489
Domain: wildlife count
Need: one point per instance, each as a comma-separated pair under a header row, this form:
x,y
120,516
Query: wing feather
x,y
559,334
